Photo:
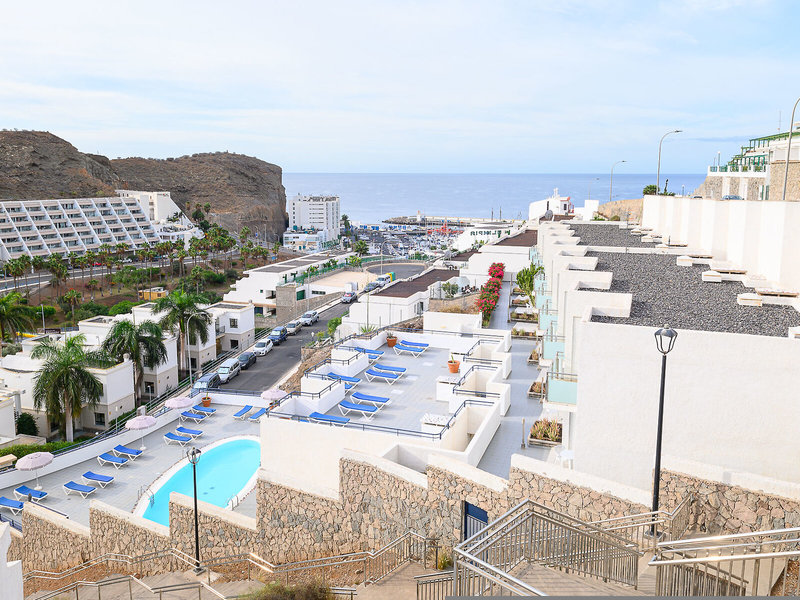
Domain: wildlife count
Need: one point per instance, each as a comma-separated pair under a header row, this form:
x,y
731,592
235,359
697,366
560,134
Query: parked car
x,y
277,335
731,197
228,370
263,347
348,297
371,286
293,327
207,381
246,359
309,318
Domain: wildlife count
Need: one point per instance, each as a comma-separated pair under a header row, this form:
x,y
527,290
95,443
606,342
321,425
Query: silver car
x,y
262,347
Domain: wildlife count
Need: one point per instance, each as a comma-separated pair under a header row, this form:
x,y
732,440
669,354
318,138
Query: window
x,y
99,419
234,323
149,387
234,344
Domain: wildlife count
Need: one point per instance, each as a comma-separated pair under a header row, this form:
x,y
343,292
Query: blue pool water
x,y
222,472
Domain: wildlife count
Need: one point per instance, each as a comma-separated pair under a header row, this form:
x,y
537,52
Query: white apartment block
x,y
61,226
315,212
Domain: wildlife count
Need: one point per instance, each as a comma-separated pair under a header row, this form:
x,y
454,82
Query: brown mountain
x,y
242,190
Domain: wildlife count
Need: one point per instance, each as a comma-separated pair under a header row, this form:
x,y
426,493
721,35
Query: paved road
x,y
270,368
401,270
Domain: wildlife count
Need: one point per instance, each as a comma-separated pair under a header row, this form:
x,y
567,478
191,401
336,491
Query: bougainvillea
x,y
490,292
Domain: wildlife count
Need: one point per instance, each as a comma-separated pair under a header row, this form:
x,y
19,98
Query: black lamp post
x,y
194,457
665,340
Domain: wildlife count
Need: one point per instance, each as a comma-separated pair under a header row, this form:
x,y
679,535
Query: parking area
x,y
269,369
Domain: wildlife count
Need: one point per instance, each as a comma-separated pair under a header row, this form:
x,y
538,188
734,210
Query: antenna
x,y
779,121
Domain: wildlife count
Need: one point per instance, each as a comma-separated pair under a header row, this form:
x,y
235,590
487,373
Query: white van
x,y
228,370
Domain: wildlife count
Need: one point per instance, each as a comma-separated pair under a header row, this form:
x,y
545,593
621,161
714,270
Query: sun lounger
x,y
192,416
131,453
242,413
174,438
98,478
345,378
377,401
385,375
13,505
256,416
108,458
192,433
23,491
414,344
83,490
365,410
390,368
329,419
202,409
368,351
348,386
400,348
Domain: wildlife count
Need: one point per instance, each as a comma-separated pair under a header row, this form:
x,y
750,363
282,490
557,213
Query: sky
x,y
529,86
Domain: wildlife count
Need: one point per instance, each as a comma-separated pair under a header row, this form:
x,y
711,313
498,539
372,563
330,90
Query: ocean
x,y
373,197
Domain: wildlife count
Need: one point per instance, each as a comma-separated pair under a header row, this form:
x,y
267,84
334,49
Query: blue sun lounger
x,y
13,505
390,368
98,478
377,401
174,438
108,458
414,344
328,419
242,413
385,375
400,348
192,416
256,416
202,409
368,351
83,490
131,453
192,433
23,491
345,378
365,410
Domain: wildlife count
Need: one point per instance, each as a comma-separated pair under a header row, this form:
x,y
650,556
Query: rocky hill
x,y
624,209
242,190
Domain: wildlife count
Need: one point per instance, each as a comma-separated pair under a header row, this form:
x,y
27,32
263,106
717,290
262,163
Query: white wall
x,y
728,400
10,572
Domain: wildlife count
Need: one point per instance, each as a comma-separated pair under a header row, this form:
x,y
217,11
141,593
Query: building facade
x,y
320,213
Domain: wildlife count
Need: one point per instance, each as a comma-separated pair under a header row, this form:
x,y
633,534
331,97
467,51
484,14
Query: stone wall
x,y
733,183
776,173
723,508
124,533
288,307
52,543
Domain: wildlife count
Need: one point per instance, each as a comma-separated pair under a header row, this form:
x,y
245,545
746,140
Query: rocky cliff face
x,y
241,190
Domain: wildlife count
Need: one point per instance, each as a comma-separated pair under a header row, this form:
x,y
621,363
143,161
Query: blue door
x,y
475,519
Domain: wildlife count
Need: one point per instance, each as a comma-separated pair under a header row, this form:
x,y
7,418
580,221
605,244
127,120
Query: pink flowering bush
x,y
490,292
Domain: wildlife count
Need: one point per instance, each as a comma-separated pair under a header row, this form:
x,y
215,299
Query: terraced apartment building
x,y
61,226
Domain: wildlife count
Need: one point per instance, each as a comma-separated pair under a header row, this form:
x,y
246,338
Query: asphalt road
x,y
401,270
269,369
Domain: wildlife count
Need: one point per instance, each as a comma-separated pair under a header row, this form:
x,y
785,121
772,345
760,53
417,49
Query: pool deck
x,y
132,478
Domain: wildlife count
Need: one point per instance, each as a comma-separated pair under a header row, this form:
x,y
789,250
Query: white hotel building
x,y
61,226
320,213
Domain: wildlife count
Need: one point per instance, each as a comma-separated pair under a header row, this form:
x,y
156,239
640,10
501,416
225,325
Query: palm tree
x,y
65,382
184,314
38,263
93,285
14,316
360,247
73,298
276,247
15,269
346,224
143,344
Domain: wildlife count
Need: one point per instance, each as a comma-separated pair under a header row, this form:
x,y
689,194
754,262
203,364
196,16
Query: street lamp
x,y
611,185
665,340
194,457
788,150
658,173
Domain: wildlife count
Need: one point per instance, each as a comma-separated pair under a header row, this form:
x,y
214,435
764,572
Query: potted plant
x,y
391,339
206,401
545,432
453,364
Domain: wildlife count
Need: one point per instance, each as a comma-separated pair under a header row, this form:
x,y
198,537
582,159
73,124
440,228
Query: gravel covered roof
x,y
666,293
608,235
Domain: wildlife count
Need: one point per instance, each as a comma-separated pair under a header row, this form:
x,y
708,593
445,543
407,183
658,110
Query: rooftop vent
x,y
748,299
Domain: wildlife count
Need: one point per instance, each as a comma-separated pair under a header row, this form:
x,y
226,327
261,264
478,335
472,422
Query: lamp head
x,y
678,131
665,339
193,455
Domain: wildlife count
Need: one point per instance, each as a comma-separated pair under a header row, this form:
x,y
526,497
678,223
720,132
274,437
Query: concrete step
x,y
557,583
399,585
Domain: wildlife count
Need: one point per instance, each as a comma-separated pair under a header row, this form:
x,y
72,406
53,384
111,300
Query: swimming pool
x,y
222,472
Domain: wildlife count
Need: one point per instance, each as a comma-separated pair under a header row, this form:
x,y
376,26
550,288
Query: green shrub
x,y
26,425
445,562
9,349
231,274
21,450
301,591
649,190
87,310
49,311
333,324
614,218
121,308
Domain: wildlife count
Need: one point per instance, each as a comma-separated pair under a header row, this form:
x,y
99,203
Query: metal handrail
x,y
638,527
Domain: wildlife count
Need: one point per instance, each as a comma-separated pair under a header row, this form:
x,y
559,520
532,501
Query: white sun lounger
x,y
414,351
364,410
390,378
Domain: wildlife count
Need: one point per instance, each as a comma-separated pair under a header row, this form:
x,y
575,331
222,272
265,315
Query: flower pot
x,y
206,402
391,341
453,365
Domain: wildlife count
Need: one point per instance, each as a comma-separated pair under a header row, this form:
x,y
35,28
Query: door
x,y
475,519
